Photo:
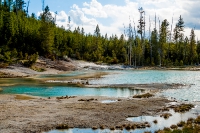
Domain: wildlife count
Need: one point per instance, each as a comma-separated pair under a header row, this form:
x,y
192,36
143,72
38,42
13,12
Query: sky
x,y
113,15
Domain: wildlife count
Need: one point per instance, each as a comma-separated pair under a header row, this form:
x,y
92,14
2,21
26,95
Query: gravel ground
x,y
21,114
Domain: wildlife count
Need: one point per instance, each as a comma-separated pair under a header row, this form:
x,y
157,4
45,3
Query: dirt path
x,y
43,114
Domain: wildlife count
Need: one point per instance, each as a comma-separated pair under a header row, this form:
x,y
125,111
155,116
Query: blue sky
x,y
60,5
112,15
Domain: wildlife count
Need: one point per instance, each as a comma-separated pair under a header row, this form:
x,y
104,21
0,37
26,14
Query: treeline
x,y
24,38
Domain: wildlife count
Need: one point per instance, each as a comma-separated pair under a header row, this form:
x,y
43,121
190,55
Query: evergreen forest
x,y
25,37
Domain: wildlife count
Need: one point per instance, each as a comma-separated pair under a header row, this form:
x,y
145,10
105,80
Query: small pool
x,y
53,91
109,101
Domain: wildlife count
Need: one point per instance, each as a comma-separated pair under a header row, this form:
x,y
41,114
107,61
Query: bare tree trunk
x,y
150,40
160,50
168,51
43,1
144,41
135,46
155,20
142,30
27,7
130,45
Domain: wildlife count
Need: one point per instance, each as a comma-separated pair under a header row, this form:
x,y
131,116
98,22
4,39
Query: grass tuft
x,y
23,97
183,108
146,95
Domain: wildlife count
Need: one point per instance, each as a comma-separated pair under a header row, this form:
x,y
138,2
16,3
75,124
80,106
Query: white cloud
x,y
62,17
93,13
95,9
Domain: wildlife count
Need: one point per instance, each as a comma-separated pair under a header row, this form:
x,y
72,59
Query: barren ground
x,y
23,114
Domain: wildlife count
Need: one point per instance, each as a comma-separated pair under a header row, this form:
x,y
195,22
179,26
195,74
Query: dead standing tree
x,y
170,39
135,45
68,25
43,1
27,6
129,33
130,40
159,49
150,40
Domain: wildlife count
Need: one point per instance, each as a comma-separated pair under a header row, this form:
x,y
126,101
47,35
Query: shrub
x,y
173,127
94,128
181,124
166,115
155,121
181,63
183,108
112,128
62,126
146,95
197,120
31,60
3,65
38,69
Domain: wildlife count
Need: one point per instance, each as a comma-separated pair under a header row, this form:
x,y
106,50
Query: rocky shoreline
x,y
47,66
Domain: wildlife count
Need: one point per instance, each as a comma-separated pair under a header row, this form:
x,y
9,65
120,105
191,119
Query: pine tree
x,y
141,31
192,48
164,32
185,52
46,31
97,31
198,51
179,37
154,41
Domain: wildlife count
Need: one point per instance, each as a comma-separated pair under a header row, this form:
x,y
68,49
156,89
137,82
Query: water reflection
x,y
149,76
68,74
191,78
46,91
88,130
108,101
161,122
18,81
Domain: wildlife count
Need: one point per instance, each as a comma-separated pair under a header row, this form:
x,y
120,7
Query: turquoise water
x,y
70,91
149,76
190,78
37,88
